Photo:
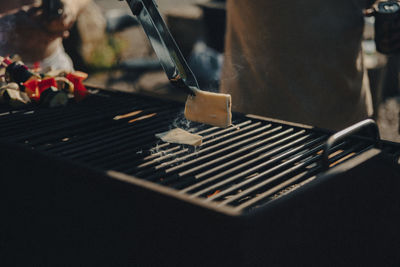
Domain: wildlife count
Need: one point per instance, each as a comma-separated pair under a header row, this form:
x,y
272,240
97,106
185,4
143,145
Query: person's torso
x,y
297,60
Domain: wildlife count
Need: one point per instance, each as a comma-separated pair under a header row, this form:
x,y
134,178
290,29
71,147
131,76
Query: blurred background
x,y
115,50
107,43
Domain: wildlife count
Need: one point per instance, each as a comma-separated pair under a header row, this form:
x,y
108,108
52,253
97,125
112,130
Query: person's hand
x,y
33,34
25,33
56,17
61,20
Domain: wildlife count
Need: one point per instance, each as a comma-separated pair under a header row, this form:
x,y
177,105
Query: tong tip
x,y
178,82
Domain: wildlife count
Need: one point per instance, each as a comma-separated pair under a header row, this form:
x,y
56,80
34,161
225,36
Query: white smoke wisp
x,y
181,122
155,150
7,26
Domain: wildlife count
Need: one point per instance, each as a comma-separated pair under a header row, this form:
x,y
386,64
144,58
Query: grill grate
x,y
242,167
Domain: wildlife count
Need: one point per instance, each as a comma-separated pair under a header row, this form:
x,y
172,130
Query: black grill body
x,y
61,210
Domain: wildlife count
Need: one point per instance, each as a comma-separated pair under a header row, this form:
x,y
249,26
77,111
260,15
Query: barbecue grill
x,y
90,183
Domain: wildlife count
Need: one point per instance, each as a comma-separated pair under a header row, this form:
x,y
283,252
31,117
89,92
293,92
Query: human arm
x,y
70,11
29,32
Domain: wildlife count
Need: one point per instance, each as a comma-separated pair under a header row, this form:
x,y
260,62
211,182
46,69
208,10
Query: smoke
x,y
206,63
11,30
7,26
234,64
157,149
162,149
181,122
22,33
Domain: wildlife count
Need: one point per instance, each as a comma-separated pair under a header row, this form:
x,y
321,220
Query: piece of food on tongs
x,y
201,106
210,108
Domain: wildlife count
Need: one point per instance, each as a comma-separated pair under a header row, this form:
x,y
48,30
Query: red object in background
x,y
46,84
77,78
32,89
35,87
36,66
7,60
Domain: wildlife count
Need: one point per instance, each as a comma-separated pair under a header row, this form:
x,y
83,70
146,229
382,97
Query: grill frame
x,y
225,235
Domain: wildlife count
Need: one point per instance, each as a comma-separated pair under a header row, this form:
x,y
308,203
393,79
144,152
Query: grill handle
x,y
339,136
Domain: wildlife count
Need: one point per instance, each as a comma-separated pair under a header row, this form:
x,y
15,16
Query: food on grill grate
x,y
17,72
12,86
180,136
52,97
65,85
10,94
143,117
128,115
50,89
77,78
209,108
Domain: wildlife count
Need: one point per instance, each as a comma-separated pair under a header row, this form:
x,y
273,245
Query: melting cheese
x,y
209,108
180,136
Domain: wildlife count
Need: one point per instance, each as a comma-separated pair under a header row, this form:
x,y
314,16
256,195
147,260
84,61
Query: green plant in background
x,y
106,54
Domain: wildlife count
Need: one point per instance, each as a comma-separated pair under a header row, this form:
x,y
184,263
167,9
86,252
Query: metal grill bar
x,y
230,166
108,124
260,150
193,130
160,156
246,165
296,154
143,136
114,128
207,149
285,171
228,148
239,151
210,155
269,192
159,159
42,124
299,177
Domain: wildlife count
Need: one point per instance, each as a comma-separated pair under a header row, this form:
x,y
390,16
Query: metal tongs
x,y
171,58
